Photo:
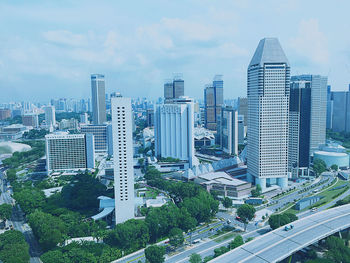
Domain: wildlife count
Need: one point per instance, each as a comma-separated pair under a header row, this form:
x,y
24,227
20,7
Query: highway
x,y
18,223
279,244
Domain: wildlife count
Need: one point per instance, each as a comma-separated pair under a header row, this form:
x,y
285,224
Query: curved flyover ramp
x,y
279,244
107,206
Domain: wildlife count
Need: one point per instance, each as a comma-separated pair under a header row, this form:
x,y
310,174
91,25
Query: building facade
x,y
229,130
98,99
307,120
174,89
242,106
123,159
213,102
102,137
174,125
241,129
50,117
341,111
150,117
69,152
268,111
30,120
329,123
5,114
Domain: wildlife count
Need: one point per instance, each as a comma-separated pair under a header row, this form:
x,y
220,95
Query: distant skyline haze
x,y
49,49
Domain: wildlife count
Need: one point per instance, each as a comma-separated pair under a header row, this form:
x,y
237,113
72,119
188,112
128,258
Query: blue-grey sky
x,y
48,49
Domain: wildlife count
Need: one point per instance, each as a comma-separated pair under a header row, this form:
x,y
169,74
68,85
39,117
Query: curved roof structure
x,y
279,244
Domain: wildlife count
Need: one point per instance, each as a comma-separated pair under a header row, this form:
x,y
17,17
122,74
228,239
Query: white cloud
x,y
65,37
311,42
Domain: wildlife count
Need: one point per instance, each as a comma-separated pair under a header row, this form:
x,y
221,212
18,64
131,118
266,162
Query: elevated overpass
x,y
279,244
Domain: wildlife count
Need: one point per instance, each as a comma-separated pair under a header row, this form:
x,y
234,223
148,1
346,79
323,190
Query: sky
x,y
48,49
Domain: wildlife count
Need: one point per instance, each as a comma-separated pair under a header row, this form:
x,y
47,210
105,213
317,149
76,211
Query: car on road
x,y
314,209
287,228
238,218
196,241
228,221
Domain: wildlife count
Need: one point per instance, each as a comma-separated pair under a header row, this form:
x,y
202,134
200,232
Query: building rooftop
x,y
335,154
269,50
222,178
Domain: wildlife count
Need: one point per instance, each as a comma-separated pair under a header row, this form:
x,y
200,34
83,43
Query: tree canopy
x,y
13,247
81,194
176,237
5,211
48,229
246,212
275,221
319,166
227,202
155,254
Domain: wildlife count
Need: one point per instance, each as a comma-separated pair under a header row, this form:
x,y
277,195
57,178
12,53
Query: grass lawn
x,y
225,237
328,195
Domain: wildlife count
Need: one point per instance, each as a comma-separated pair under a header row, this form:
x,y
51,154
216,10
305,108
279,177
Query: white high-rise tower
x,y
123,158
268,109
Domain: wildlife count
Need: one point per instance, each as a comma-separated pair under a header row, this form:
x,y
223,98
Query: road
x,y
201,233
279,244
206,247
18,223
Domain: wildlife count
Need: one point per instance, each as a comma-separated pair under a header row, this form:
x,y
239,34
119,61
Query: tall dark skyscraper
x,y
213,102
174,89
329,108
307,120
98,99
341,111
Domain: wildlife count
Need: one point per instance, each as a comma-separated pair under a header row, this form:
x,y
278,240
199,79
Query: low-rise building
x,y
306,202
224,184
12,132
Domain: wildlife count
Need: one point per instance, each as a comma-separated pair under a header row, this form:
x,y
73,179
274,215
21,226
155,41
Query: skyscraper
x,y
174,125
123,158
213,102
329,108
50,117
174,89
268,108
98,99
341,111
229,130
307,120
242,106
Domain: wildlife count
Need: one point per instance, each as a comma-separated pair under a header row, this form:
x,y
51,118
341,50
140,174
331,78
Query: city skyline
x,y
137,53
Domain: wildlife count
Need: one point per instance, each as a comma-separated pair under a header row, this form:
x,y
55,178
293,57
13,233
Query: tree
x,y
257,191
176,237
195,258
246,213
219,251
5,211
155,254
13,247
30,199
334,167
81,194
238,241
227,202
49,230
132,234
275,221
319,166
